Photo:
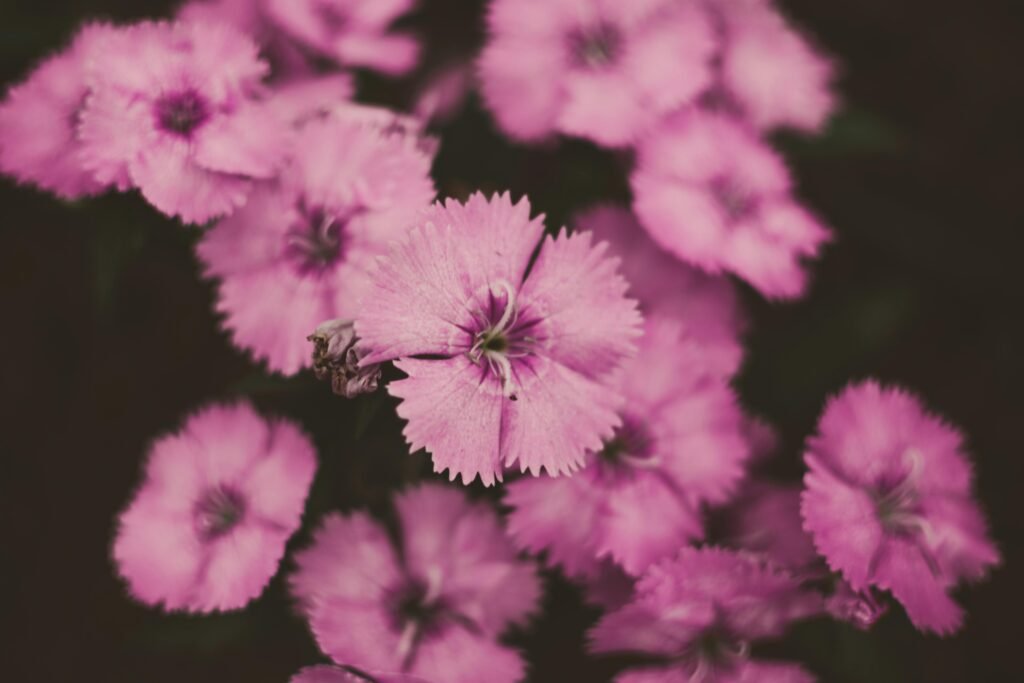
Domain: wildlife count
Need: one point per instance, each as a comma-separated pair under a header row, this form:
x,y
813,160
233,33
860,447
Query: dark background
x,y
109,340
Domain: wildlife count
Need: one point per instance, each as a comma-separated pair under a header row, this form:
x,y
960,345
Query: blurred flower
x,y
706,305
711,192
602,69
326,673
299,252
506,360
207,528
172,112
39,120
433,607
336,356
355,33
888,502
638,499
766,71
697,614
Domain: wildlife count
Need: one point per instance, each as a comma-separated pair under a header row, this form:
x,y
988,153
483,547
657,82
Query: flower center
x,y
897,501
219,511
316,241
631,446
181,113
595,47
501,336
736,201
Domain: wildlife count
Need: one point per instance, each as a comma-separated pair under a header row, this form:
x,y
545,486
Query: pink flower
x,y
325,673
352,32
602,69
505,359
766,71
638,499
698,613
39,121
888,502
172,112
434,607
706,305
207,528
299,252
712,193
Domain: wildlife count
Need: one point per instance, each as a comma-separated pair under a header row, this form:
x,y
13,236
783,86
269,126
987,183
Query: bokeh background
x,y
108,340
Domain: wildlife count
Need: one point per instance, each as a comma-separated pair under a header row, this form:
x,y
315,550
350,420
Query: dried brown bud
x,y
336,357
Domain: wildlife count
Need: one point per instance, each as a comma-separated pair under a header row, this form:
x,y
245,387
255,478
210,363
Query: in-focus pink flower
x,y
172,112
888,502
325,673
355,33
766,71
712,193
299,252
699,612
39,121
602,69
221,497
506,359
706,305
435,607
638,499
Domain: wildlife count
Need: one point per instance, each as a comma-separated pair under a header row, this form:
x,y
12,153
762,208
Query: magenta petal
x,y
903,569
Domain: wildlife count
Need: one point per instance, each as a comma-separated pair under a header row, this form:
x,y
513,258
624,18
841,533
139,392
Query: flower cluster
x,y
696,84
592,365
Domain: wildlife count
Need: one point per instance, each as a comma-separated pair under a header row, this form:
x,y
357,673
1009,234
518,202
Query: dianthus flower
x,y
766,71
208,527
697,614
602,69
298,253
506,359
638,498
173,112
433,607
39,122
888,502
712,193
326,673
705,304
355,33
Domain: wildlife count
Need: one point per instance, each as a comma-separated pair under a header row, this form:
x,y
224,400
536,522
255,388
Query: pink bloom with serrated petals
x,y
39,121
506,359
767,71
173,113
712,193
888,502
706,305
355,33
699,611
325,673
435,607
638,498
300,251
208,526
602,69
